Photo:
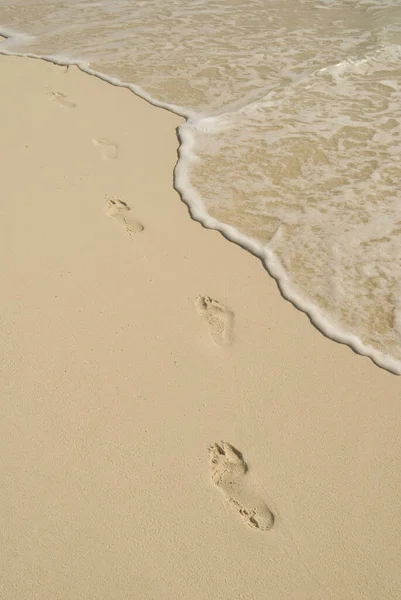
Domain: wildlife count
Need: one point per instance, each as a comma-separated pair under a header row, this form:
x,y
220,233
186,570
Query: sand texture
x,y
171,428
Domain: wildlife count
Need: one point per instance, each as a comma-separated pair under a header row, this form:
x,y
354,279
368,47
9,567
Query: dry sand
x,y
133,343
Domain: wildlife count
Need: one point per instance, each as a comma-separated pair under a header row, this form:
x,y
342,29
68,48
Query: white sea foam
x,y
293,139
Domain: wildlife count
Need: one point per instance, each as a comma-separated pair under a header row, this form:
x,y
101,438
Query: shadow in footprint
x,y
119,210
229,471
219,318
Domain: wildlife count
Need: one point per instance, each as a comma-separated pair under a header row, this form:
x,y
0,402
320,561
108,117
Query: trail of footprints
x,y
228,472
115,208
218,318
228,468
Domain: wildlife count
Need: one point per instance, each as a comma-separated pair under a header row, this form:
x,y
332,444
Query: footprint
x,y
120,211
108,149
219,318
61,69
229,474
61,99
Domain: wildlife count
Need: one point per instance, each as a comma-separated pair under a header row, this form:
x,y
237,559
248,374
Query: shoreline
x,y
323,323
118,380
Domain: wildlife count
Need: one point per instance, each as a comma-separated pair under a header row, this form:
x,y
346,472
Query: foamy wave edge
x,y
198,211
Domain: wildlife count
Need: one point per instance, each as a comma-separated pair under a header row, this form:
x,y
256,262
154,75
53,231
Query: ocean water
x,y
292,144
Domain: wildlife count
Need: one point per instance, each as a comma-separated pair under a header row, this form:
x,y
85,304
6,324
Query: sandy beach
x,y
171,427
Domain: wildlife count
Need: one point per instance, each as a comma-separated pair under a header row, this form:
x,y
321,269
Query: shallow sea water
x,y
293,142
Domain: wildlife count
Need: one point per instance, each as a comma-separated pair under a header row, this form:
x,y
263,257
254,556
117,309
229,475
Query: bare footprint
x,y
229,474
108,149
120,211
219,319
60,69
61,99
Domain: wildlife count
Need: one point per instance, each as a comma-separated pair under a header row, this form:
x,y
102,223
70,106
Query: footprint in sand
x,y
120,211
219,319
108,149
61,99
59,69
229,474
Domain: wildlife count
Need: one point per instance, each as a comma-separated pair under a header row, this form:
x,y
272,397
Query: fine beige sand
x,y
171,428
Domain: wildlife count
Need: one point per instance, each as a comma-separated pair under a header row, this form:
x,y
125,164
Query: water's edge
x,y
198,212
